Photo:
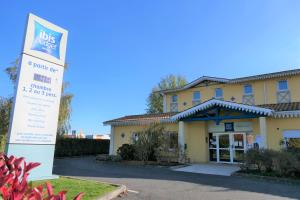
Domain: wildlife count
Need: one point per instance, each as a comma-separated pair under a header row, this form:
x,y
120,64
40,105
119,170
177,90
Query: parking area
x,y
152,182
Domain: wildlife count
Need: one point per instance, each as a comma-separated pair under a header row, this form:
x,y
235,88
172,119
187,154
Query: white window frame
x,y
251,89
287,84
169,138
216,93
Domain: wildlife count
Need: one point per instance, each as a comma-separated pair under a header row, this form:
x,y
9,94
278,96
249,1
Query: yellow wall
x,y
237,90
129,130
196,133
275,128
195,138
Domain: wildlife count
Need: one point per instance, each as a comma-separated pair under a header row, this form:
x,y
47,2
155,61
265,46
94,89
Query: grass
x,y
91,189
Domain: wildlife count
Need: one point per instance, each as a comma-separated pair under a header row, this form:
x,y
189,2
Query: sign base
x,y
43,154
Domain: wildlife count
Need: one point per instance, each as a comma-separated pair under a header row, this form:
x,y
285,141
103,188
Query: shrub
x,y
14,186
278,163
80,147
126,151
287,164
106,157
149,141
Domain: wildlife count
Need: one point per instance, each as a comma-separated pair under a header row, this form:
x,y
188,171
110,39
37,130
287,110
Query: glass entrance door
x,y
224,148
238,146
227,147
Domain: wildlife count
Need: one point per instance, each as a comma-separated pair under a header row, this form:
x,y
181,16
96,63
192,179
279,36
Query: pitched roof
x,y
225,104
139,119
266,76
280,110
236,80
282,106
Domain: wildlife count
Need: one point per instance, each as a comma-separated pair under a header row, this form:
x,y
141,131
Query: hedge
x,y
79,147
282,163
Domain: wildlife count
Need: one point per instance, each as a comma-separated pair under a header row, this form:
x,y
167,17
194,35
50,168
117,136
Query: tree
x,y
5,109
155,99
65,101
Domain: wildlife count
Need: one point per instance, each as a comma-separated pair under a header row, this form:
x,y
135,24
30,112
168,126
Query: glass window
x,y
248,89
282,85
174,98
218,93
196,96
135,137
173,140
292,140
293,143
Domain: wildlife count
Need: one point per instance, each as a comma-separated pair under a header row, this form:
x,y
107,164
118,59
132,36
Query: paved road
x,y
154,183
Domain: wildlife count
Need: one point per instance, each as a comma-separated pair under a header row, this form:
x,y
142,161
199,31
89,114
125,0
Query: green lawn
x,y
92,189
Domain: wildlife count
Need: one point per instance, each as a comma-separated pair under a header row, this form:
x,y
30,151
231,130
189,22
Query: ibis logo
x,y
46,40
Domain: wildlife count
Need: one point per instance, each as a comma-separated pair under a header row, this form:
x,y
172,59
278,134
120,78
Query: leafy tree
x,y
155,99
5,109
65,101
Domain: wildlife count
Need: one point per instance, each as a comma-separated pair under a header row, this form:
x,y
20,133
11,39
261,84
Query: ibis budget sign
x,y
45,40
36,105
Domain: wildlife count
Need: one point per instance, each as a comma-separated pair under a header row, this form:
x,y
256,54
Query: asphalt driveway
x,y
162,183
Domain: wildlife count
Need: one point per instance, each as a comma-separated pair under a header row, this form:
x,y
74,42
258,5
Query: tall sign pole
x,y
33,124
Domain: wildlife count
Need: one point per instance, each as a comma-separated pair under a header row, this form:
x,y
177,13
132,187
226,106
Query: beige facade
x,y
222,129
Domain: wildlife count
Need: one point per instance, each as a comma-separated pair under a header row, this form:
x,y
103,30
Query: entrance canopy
x,y
218,110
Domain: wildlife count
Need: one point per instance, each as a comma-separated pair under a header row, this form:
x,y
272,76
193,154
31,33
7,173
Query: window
x,y
174,98
173,104
173,140
247,89
292,139
218,93
283,85
135,137
283,93
196,97
248,97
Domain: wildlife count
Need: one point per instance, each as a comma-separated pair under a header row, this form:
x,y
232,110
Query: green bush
x,y
287,164
149,141
126,151
269,162
79,147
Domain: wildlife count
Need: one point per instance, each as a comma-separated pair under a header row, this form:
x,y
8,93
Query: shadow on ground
x,y
88,167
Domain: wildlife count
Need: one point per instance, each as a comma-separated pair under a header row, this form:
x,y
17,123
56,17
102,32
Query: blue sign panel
x,y
46,40
229,127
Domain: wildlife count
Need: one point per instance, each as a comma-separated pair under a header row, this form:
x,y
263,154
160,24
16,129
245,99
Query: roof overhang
x,y
223,104
234,80
287,114
196,82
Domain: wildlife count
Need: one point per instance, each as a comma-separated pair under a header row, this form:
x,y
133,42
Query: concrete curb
x,y
120,190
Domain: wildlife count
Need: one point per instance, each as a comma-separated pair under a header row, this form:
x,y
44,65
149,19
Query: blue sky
x,y
118,50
